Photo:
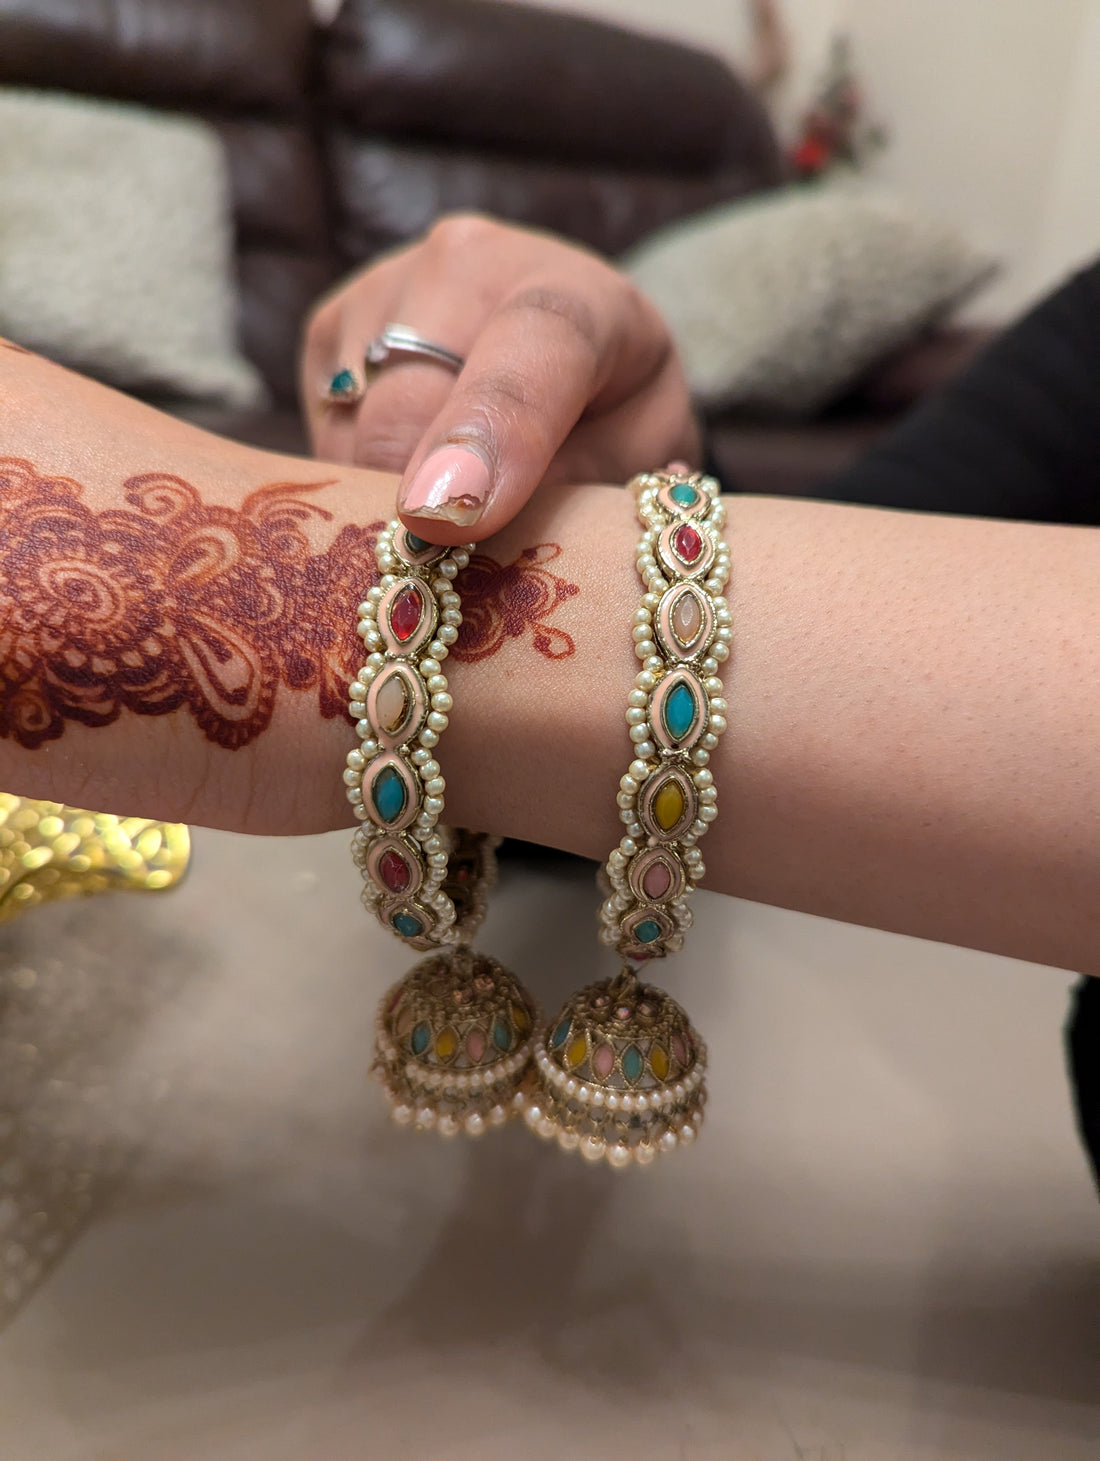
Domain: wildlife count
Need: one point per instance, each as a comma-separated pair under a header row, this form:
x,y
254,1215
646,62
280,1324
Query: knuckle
x,y
563,306
502,391
461,231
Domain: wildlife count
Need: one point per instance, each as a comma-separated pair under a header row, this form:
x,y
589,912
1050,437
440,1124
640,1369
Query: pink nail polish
x,y
453,484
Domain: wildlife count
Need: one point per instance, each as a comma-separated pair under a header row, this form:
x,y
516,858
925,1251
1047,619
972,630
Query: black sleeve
x,y
1015,435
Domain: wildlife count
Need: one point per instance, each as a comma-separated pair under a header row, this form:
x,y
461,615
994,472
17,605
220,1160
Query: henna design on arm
x,y
172,604
169,603
506,601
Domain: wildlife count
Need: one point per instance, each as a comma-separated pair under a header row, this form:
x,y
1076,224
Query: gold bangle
x,y
620,1074
454,1038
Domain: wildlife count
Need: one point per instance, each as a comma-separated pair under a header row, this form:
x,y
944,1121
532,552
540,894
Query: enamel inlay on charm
x,y
654,875
678,711
406,617
391,793
393,867
684,499
396,704
667,804
687,551
685,622
406,611
407,924
646,931
414,550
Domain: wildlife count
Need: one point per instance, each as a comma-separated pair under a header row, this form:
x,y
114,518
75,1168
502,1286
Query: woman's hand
x,y
570,375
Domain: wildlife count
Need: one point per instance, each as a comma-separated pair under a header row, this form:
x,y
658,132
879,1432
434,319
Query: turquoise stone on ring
x,y
685,494
647,931
343,386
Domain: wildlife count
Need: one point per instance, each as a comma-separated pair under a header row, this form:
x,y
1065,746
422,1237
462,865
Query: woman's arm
x,y
913,699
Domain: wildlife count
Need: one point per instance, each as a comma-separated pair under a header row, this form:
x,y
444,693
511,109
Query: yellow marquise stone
x,y
668,805
576,1053
658,1062
446,1043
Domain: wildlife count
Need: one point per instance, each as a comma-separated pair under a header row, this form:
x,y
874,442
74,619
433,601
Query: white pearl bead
x,y
447,1126
687,1134
668,1141
592,1148
568,1140
626,1102
402,1114
611,1100
619,1155
547,1128
532,1114
498,1116
425,1117
644,1154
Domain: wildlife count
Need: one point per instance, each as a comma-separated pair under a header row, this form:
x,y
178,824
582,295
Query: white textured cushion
x,y
780,303
116,245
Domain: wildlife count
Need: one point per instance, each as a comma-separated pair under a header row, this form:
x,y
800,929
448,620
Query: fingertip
x,y
445,497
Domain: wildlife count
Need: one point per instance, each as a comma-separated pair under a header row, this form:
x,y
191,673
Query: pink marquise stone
x,y
603,1062
657,880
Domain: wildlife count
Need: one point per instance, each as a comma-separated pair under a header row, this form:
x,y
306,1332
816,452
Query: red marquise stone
x,y
394,871
405,613
687,542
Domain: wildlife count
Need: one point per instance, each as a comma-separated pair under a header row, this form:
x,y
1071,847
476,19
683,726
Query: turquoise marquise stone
x,y
418,545
343,383
646,931
561,1034
632,1063
685,494
407,925
502,1036
679,711
389,795
421,1039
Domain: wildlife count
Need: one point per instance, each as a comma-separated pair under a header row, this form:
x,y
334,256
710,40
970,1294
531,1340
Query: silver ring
x,y
399,342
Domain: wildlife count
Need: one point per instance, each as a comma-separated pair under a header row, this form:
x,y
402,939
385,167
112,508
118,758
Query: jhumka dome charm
x,y
619,1074
453,1040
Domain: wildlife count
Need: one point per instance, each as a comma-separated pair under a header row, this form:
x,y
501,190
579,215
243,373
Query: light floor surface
x,y
884,1248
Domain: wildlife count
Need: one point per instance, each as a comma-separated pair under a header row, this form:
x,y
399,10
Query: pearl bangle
x,y
455,1036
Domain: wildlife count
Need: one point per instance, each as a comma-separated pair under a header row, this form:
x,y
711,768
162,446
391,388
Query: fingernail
x,y
453,484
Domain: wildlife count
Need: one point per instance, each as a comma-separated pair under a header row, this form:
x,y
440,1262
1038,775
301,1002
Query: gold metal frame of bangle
x,y
455,1037
620,1073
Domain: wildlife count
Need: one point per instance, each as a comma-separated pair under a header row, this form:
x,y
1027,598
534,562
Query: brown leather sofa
x,y
347,140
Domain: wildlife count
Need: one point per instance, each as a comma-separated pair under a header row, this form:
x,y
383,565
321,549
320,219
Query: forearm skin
x,y
913,699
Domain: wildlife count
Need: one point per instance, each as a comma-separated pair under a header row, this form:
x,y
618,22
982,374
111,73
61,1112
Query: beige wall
x,y
993,108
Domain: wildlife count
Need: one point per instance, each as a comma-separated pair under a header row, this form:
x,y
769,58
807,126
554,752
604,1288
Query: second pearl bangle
x,y
620,1073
